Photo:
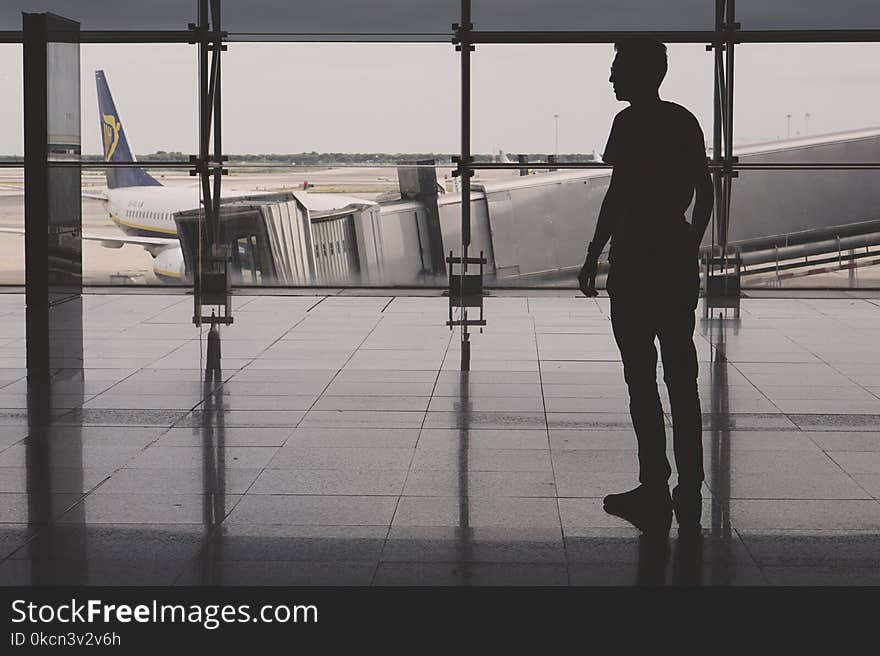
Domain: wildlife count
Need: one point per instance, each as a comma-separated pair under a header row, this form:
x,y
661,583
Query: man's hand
x,y
587,276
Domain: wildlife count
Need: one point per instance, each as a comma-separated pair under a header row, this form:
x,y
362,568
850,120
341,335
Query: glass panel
x,y
130,233
807,102
11,179
12,111
807,14
534,232
556,209
103,15
596,15
133,112
12,224
340,98
825,224
341,120
65,217
329,20
568,105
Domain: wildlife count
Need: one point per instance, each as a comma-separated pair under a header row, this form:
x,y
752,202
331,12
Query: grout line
x,y
316,304
550,447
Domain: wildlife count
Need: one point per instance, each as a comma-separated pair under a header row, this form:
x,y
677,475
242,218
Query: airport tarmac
x,y
131,264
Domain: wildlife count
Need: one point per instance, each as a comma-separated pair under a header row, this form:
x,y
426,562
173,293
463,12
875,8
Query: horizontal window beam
x,y
751,166
482,36
676,36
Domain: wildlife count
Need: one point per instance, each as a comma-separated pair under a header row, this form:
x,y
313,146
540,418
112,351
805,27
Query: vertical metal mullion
x,y
717,144
465,29
728,173
465,170
204,120
465,154
215,91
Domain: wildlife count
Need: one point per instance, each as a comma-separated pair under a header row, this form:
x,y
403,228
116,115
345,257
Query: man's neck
x,y
646,100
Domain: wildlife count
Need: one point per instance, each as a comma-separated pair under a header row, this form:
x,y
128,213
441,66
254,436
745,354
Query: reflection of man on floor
x,y
658,154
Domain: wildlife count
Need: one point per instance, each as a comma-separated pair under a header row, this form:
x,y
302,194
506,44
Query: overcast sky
x,y
404,97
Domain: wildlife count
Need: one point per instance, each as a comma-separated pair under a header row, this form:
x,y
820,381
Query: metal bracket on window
x,y
465,290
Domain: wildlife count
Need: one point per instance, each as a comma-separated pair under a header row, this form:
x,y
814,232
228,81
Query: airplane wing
x,y
19,191
151,244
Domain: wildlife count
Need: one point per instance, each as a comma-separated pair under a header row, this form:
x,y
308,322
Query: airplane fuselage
x,y
149,211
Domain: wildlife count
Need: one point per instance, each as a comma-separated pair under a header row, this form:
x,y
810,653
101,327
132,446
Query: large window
x,y
341,122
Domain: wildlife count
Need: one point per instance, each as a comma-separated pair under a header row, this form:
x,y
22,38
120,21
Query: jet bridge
x,y
534,229
289,238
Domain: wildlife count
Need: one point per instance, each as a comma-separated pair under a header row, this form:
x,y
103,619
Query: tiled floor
x,y
342,445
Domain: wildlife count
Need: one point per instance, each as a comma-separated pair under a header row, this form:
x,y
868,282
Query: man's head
x,y
638,68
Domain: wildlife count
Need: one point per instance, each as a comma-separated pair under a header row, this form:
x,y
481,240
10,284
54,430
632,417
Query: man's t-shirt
x,y
658,154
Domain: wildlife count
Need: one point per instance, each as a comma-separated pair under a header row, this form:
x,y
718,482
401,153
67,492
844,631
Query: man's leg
x,y
634,332
649,506
680,369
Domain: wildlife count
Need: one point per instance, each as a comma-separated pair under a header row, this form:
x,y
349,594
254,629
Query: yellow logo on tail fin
x,y
110,131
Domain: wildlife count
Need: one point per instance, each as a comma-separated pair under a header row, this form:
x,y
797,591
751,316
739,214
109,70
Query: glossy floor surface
x,y
342,444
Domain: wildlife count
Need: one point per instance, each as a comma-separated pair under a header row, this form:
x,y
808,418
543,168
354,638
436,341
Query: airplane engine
x,y
168,265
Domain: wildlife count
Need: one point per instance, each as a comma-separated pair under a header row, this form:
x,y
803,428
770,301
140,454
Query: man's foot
x,y
647,508
688,505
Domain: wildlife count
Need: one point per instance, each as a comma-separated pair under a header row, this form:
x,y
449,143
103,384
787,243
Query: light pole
x,y
788,126
556,135
807,123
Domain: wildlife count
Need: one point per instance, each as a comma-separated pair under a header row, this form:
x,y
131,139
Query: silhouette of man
x,y
658,156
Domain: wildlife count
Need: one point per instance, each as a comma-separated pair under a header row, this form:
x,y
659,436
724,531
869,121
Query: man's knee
x,y
641,385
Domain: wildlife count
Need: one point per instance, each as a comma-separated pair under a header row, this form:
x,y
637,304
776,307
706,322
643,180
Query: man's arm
x,y
705,190
705,200
607,220
608,213
604,228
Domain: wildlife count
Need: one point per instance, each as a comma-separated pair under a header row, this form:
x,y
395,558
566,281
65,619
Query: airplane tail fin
x,y
116,147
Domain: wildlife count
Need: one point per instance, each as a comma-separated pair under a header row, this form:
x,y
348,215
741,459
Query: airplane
x,y
138,203
144,209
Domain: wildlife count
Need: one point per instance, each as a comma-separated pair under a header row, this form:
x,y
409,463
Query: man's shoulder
x,y
680,112
623,114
